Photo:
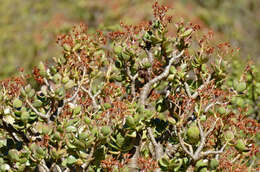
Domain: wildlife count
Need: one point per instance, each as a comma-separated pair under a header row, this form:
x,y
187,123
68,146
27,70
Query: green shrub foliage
x,y
139,98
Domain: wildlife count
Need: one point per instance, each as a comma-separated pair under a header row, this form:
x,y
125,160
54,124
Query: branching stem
x,y
203,137
147,86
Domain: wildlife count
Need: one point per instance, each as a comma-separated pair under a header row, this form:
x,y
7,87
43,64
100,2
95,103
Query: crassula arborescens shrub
x,y
135,99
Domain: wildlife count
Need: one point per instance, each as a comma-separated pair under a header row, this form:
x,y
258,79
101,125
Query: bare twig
x,y
60,109
171,149
147,86
209,106
55,167
74,95
42,167
195,95
150,58
151,149
49,85
203,137
212,128
187,88
93,97
157,147
13,132
183,145
46,117
214,152
133,78
236,158
190,147
90,157
149,55
214,103
202,141
133,163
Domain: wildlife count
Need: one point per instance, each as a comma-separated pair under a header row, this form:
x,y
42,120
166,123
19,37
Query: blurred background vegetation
x,y
28,28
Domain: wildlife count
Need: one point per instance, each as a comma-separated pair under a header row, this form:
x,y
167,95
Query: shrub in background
x,y
29,28
35,24
129,100
237,20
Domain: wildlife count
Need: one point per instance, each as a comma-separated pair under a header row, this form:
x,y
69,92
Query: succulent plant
x,y
213,164
105,130
193,133
130,122
17,104
229,135
240,145
134,99
222,110
69,84
13,154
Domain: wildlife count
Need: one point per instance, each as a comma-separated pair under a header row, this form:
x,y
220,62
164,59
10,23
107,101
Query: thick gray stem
x,y
133,163
147,86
